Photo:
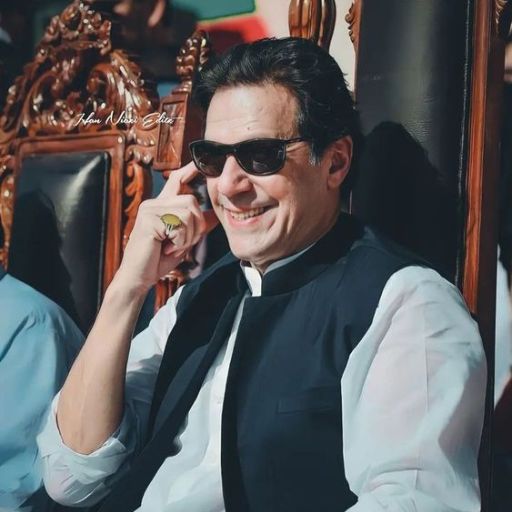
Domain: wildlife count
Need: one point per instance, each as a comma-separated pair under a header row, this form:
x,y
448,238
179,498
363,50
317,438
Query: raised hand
x,y
152,252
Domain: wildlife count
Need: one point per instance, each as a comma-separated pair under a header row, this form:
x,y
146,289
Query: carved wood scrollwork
x,y
136,189
6,201
313,19
502,17
353,18
192,57
78,82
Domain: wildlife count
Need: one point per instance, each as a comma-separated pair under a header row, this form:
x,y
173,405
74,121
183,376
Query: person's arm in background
x,y
413,401
38,343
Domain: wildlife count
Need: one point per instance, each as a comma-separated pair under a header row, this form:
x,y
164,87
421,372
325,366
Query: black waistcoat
x,y
281,426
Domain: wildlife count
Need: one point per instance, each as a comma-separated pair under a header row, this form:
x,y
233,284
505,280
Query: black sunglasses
x,y
259,157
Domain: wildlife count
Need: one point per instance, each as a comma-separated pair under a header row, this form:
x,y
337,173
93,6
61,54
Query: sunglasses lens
x,y
261,156
258,156
208,157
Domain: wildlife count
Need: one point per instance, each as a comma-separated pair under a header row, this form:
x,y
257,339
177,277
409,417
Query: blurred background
x,y
155,29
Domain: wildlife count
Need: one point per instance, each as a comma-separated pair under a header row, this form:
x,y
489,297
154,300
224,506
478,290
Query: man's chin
x,y
246,254
256,259
249,257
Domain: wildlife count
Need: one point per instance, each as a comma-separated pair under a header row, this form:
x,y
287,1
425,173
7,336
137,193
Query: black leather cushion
x,y
57,243
400,192
412,70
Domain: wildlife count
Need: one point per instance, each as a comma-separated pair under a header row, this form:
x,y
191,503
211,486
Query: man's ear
x,y
340,160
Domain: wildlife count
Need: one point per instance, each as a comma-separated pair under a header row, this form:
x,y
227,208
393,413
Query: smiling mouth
x,y
246,214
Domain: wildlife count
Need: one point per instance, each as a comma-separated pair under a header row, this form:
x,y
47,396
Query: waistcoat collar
x,y
306,267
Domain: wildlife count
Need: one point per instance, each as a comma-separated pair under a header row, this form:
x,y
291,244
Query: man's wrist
x,y
128,289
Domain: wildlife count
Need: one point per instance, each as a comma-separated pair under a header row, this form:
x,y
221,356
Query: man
x,y
38,342
316,368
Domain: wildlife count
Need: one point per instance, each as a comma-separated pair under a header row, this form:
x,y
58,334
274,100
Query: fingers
x,y
188,233
176,183
193,221
186,207
151,251
178,190
169,249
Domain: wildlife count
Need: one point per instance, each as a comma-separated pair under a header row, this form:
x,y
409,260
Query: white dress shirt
x,y
412,398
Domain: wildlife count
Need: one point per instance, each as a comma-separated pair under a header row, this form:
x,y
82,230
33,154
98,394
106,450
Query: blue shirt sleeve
x,y
38,342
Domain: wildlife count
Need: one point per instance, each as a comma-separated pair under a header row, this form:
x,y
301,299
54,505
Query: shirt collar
x,y
255,279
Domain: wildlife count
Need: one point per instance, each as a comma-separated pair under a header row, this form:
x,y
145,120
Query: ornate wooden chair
x,y
75,149
429,89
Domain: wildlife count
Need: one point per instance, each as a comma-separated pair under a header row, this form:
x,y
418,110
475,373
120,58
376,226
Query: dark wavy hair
x,y
326,110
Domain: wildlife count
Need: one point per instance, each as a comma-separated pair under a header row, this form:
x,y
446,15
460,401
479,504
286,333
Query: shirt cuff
x,y
87,468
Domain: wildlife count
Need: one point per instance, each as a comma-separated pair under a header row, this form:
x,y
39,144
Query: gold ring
x,y
171,222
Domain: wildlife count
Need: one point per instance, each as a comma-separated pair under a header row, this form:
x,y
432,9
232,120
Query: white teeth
x,y
246,215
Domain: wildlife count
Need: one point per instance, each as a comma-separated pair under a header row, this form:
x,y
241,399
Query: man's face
x,y
267,218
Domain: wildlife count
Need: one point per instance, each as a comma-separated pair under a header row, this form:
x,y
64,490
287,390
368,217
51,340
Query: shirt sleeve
x,y
74,479
413,397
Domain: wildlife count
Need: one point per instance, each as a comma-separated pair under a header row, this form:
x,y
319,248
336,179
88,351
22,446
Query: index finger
x,y
178,178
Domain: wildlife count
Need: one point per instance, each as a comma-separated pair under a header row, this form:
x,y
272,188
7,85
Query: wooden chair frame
x,y
477,276
78,73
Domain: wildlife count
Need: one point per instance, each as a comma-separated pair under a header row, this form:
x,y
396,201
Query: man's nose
x,y
233,179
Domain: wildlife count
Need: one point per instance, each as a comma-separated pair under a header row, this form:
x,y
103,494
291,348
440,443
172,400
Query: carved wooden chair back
x,y
75,151
429,91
